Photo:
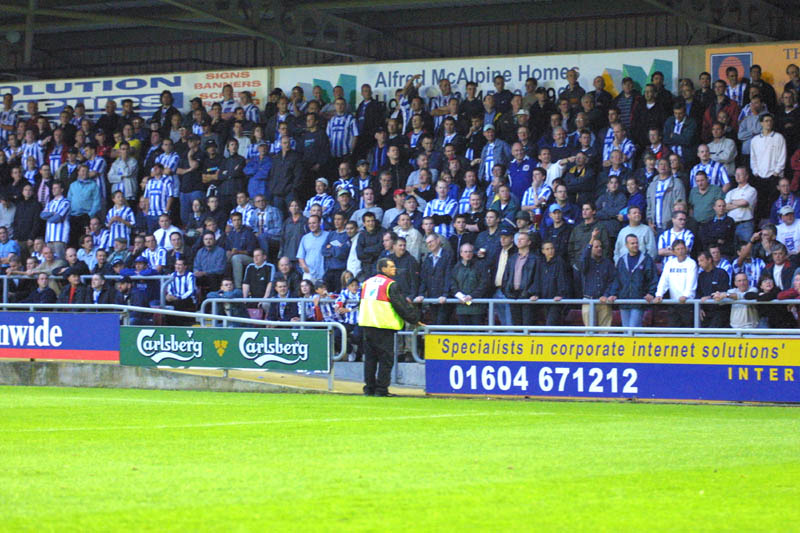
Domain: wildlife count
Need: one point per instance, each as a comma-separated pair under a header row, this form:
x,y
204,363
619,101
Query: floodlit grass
x,y
95,459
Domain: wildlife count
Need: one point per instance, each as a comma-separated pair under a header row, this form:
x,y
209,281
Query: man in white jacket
x,y
680,279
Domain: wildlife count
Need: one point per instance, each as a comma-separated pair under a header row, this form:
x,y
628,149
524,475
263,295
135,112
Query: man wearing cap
x,y
344,205
390,215
75,292
68,171
498,265
789,230
495,151
322,198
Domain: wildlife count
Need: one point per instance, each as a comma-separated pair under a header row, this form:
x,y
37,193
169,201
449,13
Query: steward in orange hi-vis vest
x,y
382,311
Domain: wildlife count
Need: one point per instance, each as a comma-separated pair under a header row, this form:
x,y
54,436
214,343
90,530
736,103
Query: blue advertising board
x,y
81,336
672,368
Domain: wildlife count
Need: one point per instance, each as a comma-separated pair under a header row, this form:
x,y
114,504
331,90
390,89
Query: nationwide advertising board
x,y
550,70
668,368
145,90
772,58
81,336
265,349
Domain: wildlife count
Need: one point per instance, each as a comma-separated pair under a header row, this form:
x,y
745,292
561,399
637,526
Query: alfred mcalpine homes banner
x,y
265,349
550,70
74,336
145,90
656,368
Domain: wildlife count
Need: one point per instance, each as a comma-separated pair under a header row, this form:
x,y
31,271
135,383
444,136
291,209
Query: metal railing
x,y
162,282
214,303
125,311
557,330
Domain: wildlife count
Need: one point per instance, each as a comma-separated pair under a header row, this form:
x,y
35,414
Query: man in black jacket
x,y
551,281
369,245
285,176
231,177
710,280
315,148
434,277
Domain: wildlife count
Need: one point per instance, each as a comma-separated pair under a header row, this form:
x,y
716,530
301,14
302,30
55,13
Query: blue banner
x,y
82,336
670,368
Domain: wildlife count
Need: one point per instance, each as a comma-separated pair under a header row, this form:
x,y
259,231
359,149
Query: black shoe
x,y
368,392
385,394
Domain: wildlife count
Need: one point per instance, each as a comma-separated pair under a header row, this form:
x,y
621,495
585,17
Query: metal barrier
x,y
162,282
126,309
563,330
214,303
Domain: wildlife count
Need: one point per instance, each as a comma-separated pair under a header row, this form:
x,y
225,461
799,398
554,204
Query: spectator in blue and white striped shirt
x,y
342,131
716,173
228,104
537,195
677,232
322,198
619,142
250,109
8,118
159,195
101,237
470,186
736,90
347,303
155,255
120,218
169,159
56,213
719,261
246,209
32,148
442,209
745,262
182,294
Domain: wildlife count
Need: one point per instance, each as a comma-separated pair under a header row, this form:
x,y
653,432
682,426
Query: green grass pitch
x,y
108,460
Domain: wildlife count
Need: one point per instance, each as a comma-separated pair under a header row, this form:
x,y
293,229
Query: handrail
x,y
130,308
160,277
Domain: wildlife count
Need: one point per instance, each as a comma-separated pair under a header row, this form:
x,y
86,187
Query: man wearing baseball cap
x,y
495,152
789,230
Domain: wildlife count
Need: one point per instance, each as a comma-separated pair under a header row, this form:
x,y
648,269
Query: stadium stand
x,y
646,196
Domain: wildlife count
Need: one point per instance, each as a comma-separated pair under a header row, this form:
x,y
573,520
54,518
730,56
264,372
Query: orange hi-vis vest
x,y
375,309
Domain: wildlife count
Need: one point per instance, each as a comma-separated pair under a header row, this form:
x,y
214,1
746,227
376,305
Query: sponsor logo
x,y
31,335
720,63
161,347
266,349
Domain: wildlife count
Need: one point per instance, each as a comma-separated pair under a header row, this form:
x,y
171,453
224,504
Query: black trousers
x,y
767,193
378,358
522,314
681,316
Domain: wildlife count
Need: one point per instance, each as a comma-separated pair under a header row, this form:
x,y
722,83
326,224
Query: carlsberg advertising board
x,y
266,349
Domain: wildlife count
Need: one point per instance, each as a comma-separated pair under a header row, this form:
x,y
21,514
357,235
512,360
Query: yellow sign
x,y
772,58
607,349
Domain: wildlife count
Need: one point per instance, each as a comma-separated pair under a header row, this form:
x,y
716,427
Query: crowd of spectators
x,y
646,195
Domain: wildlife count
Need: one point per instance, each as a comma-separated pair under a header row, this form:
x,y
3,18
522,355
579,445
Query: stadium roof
x,y
353,29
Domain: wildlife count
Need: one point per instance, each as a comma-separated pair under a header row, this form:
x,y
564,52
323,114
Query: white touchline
x,y
267,422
